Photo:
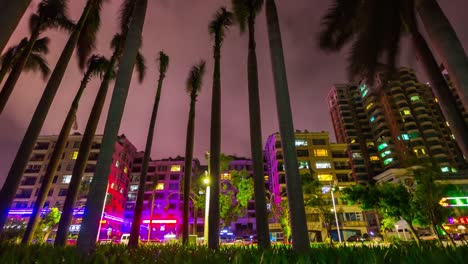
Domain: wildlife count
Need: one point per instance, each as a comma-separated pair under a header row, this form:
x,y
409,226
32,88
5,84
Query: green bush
x,y
175,253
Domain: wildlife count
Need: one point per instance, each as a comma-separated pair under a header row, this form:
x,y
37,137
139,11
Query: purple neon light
x,y
29,211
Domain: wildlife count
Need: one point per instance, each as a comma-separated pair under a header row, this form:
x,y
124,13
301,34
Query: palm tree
x,y
87,237
13,179
193,87
286,127
135,230
11,13
444,39
117,44
50,14
96,67
245,12
9,58
217,28
35,62
375,29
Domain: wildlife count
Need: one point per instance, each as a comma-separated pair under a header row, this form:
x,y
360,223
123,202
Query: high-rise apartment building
x,y
455,94
389,124
326,162
116,191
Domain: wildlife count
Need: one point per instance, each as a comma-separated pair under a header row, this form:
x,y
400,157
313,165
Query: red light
x,y
103,221
160,221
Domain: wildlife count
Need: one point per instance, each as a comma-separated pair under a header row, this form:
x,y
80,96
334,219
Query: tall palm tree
x,y
88,136
245,12
193,87
375,29
135,230
50,14
88,233
91,10
96,67
444,39
35,62
217,28
286,127
11,13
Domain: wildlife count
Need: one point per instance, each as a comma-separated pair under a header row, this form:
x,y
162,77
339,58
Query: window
x,y
363,87
160,186
173,186
382,146
374,158
125,170
70,166
303,164
74,155
323,165
117,164
172,206
302,153
174,177
365,93
372,119
226,176
320,142
63,192
357,155
131,197
175,168
369,106
406,112
133,187
353,216
161,177
162,168
388,161
66,179
445,169
325,177
300,143
55,179
414,98
320,152
159,196
385,153
405,136
76,144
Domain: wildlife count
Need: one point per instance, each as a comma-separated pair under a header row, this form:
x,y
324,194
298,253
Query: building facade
x,y
387,125
116,191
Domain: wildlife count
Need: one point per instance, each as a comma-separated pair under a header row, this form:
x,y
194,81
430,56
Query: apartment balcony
x,y
353,223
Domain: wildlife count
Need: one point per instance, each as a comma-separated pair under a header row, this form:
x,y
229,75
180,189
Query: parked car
x,y
355,238
124,239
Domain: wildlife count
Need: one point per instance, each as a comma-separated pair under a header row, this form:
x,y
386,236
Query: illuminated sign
x,y
160,221
454,202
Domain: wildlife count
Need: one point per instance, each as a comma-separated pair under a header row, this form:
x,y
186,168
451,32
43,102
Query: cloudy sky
x,y
179,27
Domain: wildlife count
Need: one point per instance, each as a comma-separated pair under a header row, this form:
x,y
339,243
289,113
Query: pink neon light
x,y
167,221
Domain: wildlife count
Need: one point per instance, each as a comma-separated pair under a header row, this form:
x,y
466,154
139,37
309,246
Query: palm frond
x,y
51,14
163,60
140,67
220,23
87,40
97,66
37,62
12,53
195,78
41,45
125,14
242,9
116,41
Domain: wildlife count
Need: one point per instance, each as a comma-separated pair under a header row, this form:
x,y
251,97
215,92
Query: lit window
x,y
405,136
454,170
374,158
133,187
372,119
406,112
436,100
445,169
415,98
385,153
357,155
365,93
388,161
323,165
160,186
117,164
175,168
369,106
382,146
325,177
370,144
423,151
226,176
453,136
266,177
74,155
363,87
125,170
321,152
66,179
353,141
414,135
446,122
300,143
303,164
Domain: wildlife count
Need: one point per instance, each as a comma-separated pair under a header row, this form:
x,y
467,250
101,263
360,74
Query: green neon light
x,y
454,202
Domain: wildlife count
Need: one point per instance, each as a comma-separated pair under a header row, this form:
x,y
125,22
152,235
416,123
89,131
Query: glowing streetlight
x,y
206,181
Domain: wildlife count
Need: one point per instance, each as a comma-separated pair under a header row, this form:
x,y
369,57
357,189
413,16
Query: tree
x,y
193,87
286,127
444,40
217,28
245,12
118,45
50,14
135,229
20,162
96,67
47,224
89,228
375,29
10,15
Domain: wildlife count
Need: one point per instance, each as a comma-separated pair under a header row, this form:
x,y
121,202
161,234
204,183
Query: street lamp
x,y
336,215
206,181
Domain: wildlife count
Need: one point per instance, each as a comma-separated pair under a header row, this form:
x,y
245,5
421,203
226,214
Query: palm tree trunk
x,y
16,72
7,65
414,233
195,219
27,145
53,164
293,179
261,214
215,149
90,225
188,168
445,41
442,91
135,229
83,155
150,225
10,15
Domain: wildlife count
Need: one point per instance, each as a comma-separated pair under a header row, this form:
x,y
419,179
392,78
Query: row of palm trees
x,y
359,21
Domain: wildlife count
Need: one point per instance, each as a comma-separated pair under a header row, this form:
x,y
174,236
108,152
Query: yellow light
x,y
74,155
225,176
369,106
266,177
406,112
175,168
321,152
325,177
353,141
374,158
125,170
160,186
206,180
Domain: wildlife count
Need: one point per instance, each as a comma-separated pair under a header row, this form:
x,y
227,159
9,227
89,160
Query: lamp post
x,y
207,207
336,215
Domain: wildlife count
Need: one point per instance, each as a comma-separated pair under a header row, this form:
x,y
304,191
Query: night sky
x,y
179,27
